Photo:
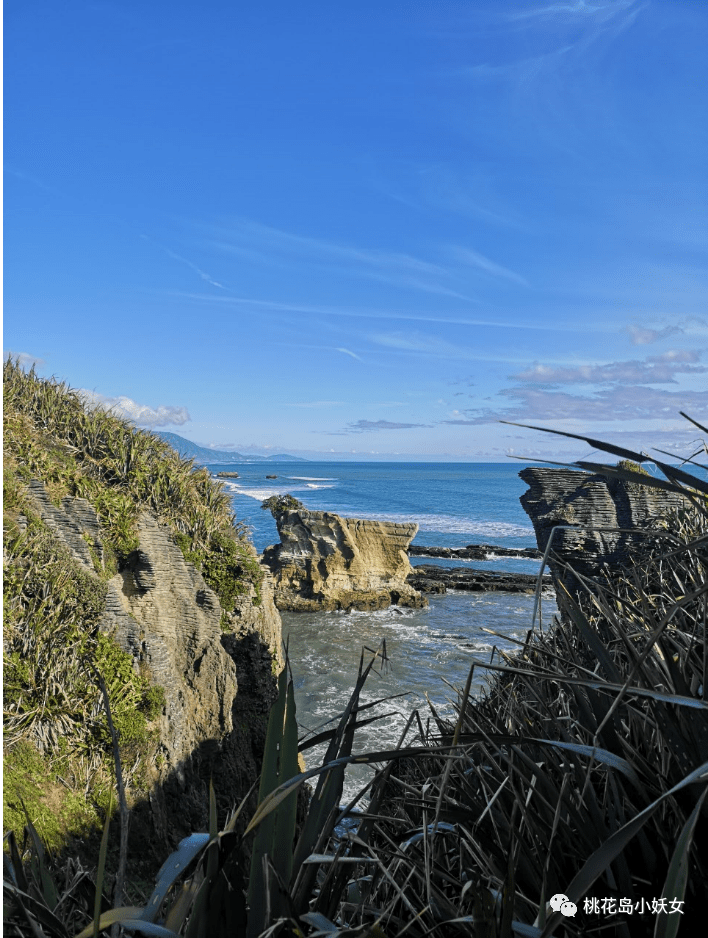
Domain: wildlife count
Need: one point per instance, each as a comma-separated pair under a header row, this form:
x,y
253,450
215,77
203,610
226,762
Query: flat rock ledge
x,y
327,563
429,578
473,552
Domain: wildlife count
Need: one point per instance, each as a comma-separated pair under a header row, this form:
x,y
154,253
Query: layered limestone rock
x,y
325,562
218,685
590,503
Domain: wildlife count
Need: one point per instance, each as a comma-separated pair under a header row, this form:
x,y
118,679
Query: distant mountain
x,y
203,455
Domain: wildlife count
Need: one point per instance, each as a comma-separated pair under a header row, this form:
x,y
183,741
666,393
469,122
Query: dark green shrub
x,y
279,504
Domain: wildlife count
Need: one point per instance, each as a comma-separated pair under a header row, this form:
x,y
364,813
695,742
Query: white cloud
x,y
140,414
620,403
659,369
641,335
24,359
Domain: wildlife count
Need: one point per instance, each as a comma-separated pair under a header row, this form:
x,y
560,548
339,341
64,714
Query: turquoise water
x,y
430,649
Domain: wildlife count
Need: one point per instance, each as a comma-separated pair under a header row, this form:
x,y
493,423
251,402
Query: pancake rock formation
x,y
218,685
325,562
588,503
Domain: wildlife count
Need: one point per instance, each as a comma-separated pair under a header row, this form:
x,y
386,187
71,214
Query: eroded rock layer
x,y
325,562
591,515
219,684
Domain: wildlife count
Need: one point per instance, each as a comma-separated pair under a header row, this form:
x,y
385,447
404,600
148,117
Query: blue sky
x,y
364,229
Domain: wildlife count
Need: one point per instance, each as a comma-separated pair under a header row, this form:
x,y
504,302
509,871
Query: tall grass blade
x,y
36,912
659,696
100,873
265,840
133,922
596,444
694,422
591,637
170,870
598,862
15,863
677,876
652,482
112,917
48,888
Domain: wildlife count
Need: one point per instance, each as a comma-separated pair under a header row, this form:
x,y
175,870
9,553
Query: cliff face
x,y
569,497
218,684
325,562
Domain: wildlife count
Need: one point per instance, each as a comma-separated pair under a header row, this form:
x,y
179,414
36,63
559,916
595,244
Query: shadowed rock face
x,y
325,562
218,685
587,502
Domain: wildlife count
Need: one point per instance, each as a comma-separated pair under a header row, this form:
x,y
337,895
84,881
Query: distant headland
x,y
204,455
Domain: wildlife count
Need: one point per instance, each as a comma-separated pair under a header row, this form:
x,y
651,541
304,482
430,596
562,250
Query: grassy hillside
x,y
57,748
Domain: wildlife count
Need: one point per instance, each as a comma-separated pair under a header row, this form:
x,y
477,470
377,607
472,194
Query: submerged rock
x,y
325,562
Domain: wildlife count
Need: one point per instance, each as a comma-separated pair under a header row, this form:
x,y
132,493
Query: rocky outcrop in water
x,y
588,503
325,562
429,578
473,552
218,685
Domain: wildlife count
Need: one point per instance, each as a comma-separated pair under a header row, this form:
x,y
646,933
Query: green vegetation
x,y
57,748
582,769
279,504
630,466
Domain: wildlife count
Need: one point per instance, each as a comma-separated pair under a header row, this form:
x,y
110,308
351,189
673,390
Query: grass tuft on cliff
x,y
57,749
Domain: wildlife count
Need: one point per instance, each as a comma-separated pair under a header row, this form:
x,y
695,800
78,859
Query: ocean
x,y
429,650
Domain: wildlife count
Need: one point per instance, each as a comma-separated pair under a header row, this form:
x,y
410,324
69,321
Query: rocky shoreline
x,y
474,552
430,578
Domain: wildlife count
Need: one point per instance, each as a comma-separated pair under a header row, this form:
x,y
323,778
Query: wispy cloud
x,y
345,351
32,180
275,306
420,343
573,11
620,403
660,369
472,258
274,246
141,414
315,403
24,359
641,335
365,426
183,260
